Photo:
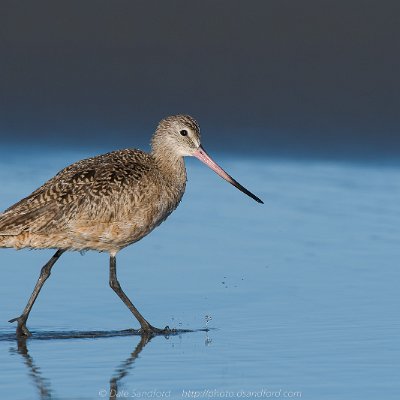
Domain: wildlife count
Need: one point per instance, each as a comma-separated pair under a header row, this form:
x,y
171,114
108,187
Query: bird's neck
x,y
172,167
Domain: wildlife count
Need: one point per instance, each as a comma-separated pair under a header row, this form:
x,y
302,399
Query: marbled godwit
x,y
106,203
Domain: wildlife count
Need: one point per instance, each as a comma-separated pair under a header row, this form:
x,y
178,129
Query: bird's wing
x,y
78,188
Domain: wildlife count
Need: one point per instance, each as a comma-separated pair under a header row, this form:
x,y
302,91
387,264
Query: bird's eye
x,y
183,132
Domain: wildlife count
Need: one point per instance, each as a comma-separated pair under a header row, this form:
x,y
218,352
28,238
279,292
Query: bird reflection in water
x,y
43,384
124,368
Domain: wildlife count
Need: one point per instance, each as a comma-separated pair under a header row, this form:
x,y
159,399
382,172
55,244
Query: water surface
x,y
302,291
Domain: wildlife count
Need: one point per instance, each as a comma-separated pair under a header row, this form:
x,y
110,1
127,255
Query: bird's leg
x,y
22,330
145,326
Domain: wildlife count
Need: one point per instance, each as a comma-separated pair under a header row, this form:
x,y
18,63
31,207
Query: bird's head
x,y
178,136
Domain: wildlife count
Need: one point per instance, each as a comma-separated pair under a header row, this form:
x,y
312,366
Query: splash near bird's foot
x,y
22,330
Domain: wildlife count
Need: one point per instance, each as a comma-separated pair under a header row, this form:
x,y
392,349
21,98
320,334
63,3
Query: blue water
x,y
302,291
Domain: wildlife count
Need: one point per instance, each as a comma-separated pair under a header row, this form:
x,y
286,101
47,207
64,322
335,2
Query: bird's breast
x,y
124,219
139,218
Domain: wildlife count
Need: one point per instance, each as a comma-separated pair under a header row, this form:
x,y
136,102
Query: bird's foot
x,y
152,330
22,330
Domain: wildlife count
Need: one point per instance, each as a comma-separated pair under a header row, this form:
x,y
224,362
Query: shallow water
x,y
302,291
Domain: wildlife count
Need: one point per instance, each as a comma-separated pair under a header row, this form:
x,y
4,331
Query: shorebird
x,y
106,203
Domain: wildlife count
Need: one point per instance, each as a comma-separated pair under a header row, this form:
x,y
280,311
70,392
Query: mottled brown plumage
x,y
102,203
107,202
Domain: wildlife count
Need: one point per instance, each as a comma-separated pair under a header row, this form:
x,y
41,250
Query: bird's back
x,y
102,203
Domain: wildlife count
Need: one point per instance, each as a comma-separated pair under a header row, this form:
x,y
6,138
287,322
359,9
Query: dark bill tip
x,y
245,191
